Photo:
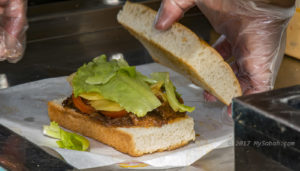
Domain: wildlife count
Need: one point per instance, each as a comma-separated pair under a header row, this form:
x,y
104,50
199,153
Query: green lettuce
x,y
171,92
145,78
66,140
100,71
120,83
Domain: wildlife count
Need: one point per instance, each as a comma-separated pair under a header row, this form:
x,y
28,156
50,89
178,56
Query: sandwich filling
x,y
116,94
158,117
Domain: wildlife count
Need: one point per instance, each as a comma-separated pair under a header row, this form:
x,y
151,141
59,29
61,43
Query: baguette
x,y
135,141
183,51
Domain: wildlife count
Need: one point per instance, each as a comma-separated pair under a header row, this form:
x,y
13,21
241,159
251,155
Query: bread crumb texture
x,y
183,51
135,141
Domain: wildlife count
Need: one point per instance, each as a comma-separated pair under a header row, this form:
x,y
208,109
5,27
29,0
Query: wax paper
x,y
23,109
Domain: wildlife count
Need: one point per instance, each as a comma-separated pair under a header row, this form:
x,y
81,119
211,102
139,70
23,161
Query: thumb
x,y
170,11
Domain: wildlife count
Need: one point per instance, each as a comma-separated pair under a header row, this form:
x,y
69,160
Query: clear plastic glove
x,y
252,31
13,25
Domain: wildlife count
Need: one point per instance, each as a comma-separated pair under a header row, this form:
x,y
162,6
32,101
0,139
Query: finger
x,y
3,50
170,11
14,24
209,97
3,2
259,74
249,87
223,47
1,10
255,65
15,17
257,89
229,110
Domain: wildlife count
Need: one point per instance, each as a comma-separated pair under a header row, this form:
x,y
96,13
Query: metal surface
x,y
17,153
267,130
60,7
70,18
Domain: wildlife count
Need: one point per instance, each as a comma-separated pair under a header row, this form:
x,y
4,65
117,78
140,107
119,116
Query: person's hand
x,y
13,25
252,32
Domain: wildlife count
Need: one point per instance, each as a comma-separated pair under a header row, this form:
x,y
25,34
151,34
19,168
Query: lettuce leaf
x,y
171,92
66,140
122,84
145,78
100,71
132,94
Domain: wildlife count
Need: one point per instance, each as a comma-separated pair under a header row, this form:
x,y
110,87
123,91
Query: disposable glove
x,y
13,25
253,32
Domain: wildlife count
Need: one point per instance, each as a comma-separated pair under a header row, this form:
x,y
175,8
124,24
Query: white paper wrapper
x,y
24,110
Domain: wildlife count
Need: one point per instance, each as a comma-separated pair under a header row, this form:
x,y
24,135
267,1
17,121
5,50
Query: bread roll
x,y
135,141
183,51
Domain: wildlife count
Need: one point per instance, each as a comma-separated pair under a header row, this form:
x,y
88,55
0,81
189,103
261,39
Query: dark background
x,y
39,2
64,35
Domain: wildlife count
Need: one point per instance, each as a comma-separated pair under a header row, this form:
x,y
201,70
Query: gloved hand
x,y
253,31
13,25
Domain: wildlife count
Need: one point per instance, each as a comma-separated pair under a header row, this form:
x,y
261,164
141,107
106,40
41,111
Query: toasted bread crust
x,y
182,66
72,120
116,137
165,55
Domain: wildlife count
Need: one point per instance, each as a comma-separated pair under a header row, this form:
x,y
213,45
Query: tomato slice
x,y
114,114
80,105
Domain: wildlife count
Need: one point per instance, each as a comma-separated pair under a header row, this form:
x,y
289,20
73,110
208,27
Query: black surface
x,y
17,153
58,43
267,124
39,2
282,105
43,2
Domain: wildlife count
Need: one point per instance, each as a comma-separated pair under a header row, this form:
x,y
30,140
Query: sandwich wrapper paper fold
x,y
24,110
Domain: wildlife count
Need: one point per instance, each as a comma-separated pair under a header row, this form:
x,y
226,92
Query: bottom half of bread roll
x,y
132,140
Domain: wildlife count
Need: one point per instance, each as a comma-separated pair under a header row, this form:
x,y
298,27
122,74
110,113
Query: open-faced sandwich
x,y
117,105
137,114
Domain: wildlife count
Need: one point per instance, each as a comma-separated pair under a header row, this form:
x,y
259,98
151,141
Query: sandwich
x,y
136,114
117,105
